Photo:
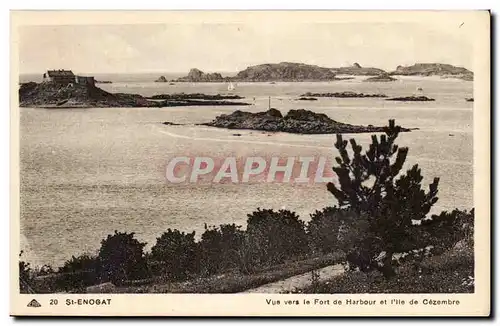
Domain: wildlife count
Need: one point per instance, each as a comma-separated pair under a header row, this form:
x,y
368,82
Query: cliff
x,y
285,71
75,95
357,70
198,76
434,69
295,121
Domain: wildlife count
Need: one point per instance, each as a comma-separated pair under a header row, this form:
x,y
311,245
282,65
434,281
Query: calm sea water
x,y
88,172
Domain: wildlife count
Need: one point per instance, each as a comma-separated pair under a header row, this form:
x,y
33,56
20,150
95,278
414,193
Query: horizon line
x,y
236,71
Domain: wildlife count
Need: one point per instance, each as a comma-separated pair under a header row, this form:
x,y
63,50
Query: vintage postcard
x,y
250,163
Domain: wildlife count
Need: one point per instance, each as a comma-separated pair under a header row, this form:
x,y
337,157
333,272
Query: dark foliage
x,y
25,276
122,258
220,248
275,236
84,262
176,254
332,229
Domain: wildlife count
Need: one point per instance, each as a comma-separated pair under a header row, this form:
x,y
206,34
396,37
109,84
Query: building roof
x,y
60,73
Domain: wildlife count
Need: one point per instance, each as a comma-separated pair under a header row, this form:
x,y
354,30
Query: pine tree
x,y
370,183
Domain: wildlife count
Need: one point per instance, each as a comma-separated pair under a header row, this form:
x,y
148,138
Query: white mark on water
x,y
171,134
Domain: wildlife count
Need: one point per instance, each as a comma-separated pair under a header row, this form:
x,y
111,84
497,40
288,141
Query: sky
x,y
231,47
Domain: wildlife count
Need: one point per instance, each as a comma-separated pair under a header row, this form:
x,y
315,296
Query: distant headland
x,y
301,72
434,69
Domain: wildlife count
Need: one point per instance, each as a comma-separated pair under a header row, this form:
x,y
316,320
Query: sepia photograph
x,y
273,153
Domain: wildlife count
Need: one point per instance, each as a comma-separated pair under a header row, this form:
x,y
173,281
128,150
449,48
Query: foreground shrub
x,y
275,236
333,229
122,258
176,254
443,231
83,262
220,247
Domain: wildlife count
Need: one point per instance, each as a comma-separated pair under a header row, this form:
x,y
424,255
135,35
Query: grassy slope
x,y
446,273
234,281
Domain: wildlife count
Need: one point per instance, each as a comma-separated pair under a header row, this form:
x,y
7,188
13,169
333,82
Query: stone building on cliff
x,y
66,77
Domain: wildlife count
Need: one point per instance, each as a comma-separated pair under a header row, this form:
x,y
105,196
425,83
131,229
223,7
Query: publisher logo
x,y
34,304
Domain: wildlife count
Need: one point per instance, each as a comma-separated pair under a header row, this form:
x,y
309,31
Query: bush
x,y
122,258
176,253
446,229
333,229
75,275
220,247
25,276
83,262
275,236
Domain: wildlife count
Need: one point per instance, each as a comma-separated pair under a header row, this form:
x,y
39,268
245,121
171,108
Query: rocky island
x,y
161,79
357,70
295,121
345,94
380,78
56,95
284,71
434,69
412,98
197,76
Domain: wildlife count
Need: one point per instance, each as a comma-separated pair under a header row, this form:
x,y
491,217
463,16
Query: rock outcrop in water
x,y
162,79
305,98
195,96
198,76
357,70
411,99
346,94
285,71
434,69
295,121
53,95
380,78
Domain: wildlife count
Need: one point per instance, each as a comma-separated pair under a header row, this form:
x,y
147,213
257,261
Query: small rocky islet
x,y
195,96
381,78
411,99
299,121
346,94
